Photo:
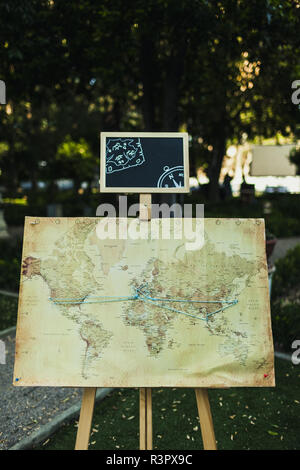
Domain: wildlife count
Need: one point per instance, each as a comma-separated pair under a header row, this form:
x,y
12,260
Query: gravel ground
x,y
23,410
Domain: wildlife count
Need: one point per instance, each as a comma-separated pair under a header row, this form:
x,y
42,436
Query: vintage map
x,y
138,312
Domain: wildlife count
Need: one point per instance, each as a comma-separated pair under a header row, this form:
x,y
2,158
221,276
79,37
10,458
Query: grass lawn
x,y
8,311
244,418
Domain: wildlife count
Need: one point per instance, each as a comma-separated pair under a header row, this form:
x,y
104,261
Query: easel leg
x,y
142,419
149,418
145,393
205,417
85,420
145,419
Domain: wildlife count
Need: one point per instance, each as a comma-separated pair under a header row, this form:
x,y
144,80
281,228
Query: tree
x,y
215,69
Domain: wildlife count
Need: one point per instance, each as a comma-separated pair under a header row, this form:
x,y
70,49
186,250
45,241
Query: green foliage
x,y
10,259
286,299
294,157
285,324
8,311
287,275
215,69
75,160
14,214
284,220
283,226
74,150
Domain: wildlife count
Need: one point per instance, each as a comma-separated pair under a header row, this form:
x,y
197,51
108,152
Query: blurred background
x,y
226,72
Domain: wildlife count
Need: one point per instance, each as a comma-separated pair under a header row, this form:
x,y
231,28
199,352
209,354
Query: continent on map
x,y
96,339
60,272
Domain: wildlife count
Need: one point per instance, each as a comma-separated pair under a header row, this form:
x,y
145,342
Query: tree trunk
x,y
215,166
170,105
174,73
148,70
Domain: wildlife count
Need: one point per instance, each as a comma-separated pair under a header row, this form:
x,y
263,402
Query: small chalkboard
x,y
144,162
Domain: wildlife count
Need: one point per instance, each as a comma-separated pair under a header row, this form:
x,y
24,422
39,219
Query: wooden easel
x,y
88,399
145,393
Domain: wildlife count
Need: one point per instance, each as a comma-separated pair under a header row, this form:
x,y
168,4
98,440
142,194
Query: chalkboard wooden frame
x,y
165,135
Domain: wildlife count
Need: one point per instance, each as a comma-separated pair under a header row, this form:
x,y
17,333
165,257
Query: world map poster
x,y
143,311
